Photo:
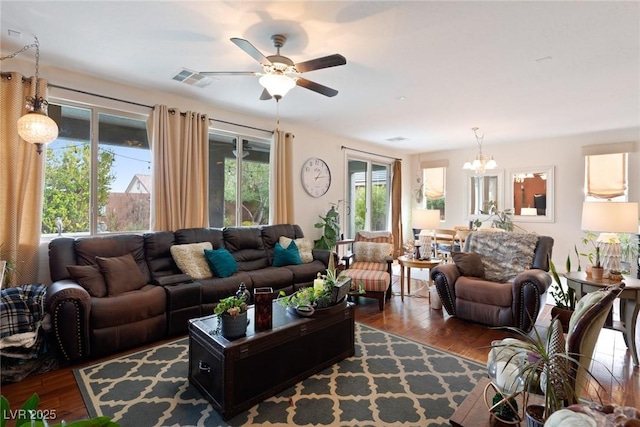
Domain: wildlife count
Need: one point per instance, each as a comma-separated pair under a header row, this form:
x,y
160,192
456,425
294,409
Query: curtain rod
x,y
149,106
368,152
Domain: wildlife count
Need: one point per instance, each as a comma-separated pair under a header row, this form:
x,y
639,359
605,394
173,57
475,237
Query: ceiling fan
x,y
279,73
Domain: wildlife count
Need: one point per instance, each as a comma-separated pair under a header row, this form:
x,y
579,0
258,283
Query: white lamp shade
x,y
528,211
37,128
614,217
277,84
425,219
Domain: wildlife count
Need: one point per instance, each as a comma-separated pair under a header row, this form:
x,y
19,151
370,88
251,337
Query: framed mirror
x,y
530,194
484,191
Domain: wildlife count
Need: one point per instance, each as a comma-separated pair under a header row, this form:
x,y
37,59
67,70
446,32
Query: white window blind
x,y
606,175
434,183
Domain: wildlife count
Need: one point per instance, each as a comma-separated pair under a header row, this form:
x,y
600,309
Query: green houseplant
x,y
563,296
593,254
330,225
232,316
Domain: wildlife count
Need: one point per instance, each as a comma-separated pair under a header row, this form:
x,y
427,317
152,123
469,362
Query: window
x,y
434,189
97,172
238,180
368,196
606,177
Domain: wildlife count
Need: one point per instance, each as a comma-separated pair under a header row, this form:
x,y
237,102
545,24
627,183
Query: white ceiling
x,y
426,71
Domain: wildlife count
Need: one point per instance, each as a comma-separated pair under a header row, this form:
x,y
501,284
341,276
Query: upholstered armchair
x,y
500,279
369,264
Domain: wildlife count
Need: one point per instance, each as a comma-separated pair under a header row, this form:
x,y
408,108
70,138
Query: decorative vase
x,y
234,327
263,298
534,414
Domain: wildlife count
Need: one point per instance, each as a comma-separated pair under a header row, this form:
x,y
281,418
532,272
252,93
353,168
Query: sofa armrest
x,y
69,306
528,288
171,279
444,276
323,256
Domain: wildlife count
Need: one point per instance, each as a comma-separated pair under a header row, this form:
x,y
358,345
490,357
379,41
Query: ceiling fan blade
x,y
316,87
265,95
228,73
251,50
319,63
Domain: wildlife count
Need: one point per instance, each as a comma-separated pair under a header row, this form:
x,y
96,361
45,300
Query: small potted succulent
x,y
232,316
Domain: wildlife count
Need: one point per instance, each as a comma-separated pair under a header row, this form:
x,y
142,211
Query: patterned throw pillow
x,y
221,262
121,274
190,259
286,256
305,247
371,251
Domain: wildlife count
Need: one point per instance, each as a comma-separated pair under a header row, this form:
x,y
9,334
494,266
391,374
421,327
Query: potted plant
x,y
328,290
232,316
563,296
543,367
593,255
330,224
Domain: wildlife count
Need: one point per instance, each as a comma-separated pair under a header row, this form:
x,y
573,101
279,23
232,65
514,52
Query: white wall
x,y
565,154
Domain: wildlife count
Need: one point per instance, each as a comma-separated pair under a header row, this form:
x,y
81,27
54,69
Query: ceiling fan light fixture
x,y
277,84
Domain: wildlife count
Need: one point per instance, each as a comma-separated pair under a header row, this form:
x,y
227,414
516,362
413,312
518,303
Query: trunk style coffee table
x,y
235,375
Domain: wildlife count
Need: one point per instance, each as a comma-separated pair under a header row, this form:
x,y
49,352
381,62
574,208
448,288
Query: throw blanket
x,y
21,315
504,255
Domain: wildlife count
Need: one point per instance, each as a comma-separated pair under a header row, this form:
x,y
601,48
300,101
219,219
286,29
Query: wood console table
x,y
629,303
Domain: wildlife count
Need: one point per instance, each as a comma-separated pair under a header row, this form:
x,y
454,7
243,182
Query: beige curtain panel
x,y
396,209
21,181
606,175
281,188
180,179
434,185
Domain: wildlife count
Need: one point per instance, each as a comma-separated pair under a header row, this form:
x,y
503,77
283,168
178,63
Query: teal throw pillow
x,y
221,262
288,256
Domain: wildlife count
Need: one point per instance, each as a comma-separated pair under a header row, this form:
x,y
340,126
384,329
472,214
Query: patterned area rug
x,y
390,381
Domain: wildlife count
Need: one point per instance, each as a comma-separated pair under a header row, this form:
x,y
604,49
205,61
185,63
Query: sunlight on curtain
x,y
282,178
180,151
21,182
396,208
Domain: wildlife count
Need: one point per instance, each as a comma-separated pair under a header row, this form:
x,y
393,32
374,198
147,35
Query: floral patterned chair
x,y
370,264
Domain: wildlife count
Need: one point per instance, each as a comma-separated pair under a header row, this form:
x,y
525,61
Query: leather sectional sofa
x,y
94,322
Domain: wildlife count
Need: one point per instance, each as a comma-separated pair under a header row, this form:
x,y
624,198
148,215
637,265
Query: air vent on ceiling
x,y
397,139
192,78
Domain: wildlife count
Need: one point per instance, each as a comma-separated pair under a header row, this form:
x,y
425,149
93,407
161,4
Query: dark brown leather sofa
x,y
515,302
92,326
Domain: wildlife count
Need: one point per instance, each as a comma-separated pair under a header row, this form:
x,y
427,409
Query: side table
x,y
408,264
629,303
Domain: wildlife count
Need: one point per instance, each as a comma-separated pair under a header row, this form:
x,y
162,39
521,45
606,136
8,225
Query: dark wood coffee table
x,y
235,375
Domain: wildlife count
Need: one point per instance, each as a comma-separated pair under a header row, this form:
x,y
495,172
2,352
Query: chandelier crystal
x,y
481,163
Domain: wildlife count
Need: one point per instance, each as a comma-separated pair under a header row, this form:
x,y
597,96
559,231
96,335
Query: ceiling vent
x,y
192,78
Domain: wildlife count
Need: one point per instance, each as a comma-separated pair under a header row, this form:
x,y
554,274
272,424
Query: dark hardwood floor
x,y
413,319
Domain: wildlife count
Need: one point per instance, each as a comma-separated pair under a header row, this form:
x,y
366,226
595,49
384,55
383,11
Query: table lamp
x,y
528,211
610,218
426,220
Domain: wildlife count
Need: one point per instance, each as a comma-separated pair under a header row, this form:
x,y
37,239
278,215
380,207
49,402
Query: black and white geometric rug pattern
x,y
390,381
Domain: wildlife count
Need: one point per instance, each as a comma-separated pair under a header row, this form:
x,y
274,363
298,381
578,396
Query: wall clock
x,y
316,177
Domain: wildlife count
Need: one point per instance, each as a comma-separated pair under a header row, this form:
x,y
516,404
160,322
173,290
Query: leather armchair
x,y
516,302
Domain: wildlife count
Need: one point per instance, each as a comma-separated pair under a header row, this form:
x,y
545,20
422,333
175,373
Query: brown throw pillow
x,y
121,274
89,278
469,264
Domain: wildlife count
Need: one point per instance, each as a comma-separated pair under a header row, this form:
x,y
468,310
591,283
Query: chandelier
x,y
36,127
481,163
